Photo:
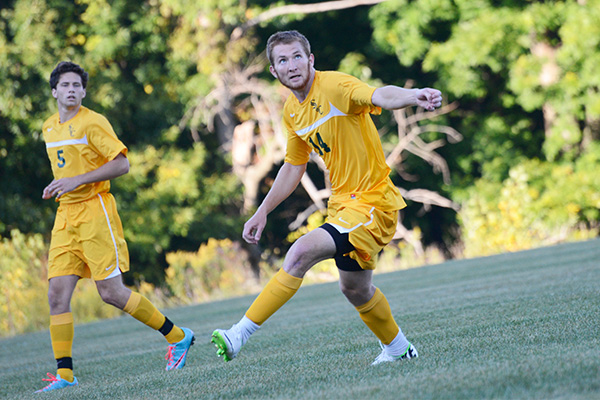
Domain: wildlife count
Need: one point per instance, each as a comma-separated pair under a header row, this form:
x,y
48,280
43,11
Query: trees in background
x,y
186,87
524,72
525,76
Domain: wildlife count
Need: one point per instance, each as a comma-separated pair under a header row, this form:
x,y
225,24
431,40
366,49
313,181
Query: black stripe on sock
x,y
167,327
65,362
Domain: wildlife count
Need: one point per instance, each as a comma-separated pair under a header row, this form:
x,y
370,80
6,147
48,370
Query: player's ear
x,y
272,70
311,59
54,93
84,93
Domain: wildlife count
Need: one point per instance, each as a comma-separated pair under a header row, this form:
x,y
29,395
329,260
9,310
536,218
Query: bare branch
x,y
300,9
303,216
422,115
428,198
435,160
413,143
409,236
315,194
454,136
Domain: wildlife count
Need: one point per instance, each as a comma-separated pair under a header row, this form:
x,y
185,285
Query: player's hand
x,y
253,228
429,99
59,187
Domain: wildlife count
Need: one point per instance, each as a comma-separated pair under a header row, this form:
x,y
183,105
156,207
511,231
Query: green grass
x,y
515,326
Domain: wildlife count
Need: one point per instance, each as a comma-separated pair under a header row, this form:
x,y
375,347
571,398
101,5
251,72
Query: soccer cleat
x,y
56,382
411,352
177,352
228,342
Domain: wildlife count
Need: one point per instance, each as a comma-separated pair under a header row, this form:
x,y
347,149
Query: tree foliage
x,y
177,187
540,203
23,285
186,87
218,269
523,72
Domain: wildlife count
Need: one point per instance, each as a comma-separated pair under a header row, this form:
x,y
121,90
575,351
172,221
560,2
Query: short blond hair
x,y
286,37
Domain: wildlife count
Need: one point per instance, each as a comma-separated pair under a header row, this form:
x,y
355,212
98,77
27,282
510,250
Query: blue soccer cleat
x,y
56,382
177,352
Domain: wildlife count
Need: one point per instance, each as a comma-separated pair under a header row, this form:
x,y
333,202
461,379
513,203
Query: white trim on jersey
x,y
333,112
83,140
343,230
117,270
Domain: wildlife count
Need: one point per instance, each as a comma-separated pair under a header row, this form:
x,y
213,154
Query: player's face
x,y
69,91
292,66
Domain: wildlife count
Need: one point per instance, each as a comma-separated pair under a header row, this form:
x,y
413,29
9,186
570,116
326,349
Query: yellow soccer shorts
x,y
88,241
369,229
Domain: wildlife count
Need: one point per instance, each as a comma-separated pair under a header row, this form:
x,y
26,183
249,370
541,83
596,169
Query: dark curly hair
x,y
64,67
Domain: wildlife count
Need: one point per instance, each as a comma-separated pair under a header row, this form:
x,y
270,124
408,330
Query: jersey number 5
x,y
61,159
322,147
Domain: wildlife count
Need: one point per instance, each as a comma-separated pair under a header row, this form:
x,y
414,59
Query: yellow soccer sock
x,y
172,332
144,311
66,374
377,315
275,294
61,336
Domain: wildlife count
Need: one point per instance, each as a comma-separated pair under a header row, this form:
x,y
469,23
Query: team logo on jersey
x,y
49,129
316,107
71,131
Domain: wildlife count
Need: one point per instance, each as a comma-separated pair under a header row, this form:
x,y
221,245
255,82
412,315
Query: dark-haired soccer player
x,y
87,238
328,112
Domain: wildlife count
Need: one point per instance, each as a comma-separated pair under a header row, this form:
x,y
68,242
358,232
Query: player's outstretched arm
x,y
395,97
112,169
286,181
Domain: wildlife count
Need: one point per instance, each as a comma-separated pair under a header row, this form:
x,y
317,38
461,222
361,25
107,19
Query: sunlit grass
x,y
513,326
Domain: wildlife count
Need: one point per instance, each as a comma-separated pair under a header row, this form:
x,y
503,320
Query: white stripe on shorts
x,y
117,270
343,230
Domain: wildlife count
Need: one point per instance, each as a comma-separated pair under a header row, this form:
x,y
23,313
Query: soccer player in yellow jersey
x,y
87,238
328,112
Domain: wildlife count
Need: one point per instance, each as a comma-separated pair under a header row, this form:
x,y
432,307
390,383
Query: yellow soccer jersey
x,y
334,121
82,144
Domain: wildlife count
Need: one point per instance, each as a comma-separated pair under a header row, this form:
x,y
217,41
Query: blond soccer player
x,y
87,237
328,113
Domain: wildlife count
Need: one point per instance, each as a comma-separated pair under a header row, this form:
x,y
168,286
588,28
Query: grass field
x,y
515,326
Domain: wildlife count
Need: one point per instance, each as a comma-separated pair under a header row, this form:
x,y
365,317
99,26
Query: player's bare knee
x,y
109,296
295,267
356,294
58,299
297,260
57,304
348,291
